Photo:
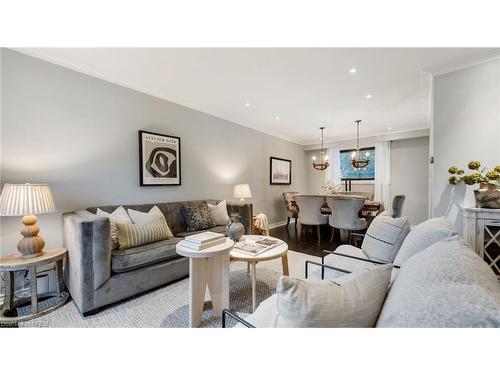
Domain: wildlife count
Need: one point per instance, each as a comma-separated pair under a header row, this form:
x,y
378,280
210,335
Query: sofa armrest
x,y
88,265
323,266
226,313
246,212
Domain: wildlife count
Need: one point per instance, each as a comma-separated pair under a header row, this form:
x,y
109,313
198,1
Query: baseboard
x,y
277,224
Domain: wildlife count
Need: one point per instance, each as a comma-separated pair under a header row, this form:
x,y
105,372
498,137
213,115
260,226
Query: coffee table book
x,y
206,245
203,238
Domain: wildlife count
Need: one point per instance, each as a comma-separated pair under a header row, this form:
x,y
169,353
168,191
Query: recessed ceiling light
x,y
352,71
277,117
369,96
389,128
247,104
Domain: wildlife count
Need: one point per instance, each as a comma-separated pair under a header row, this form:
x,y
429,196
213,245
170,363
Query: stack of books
x,y
257,245
202,241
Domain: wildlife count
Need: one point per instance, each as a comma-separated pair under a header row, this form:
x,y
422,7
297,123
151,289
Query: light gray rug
x,y
169,306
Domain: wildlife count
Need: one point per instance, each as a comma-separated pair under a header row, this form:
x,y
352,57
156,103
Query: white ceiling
x,y
305,87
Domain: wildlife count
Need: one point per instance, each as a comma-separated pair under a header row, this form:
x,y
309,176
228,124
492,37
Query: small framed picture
x,y
159,159
280,171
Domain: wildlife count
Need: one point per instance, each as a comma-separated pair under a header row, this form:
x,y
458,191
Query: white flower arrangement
x,y
331,187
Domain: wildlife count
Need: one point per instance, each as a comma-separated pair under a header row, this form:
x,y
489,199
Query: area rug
x,y
169,306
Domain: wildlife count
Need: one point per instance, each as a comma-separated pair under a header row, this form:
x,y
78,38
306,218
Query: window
x,y
349,173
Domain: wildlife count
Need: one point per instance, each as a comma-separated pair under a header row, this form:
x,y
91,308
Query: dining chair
x,y
397,205
292,210
310,212
344,216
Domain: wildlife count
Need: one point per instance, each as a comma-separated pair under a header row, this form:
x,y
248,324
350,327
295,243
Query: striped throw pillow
x,y
132,235
384,237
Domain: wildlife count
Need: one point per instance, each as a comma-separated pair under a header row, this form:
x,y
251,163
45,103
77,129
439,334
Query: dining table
x,y
370,207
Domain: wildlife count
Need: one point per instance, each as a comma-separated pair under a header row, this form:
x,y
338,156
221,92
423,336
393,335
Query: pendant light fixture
x,y
358,161
322,164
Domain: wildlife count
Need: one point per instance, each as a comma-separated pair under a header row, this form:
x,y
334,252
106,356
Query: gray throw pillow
x,y
198,218
384,237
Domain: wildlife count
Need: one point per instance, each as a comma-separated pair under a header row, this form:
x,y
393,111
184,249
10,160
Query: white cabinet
x,y
481,231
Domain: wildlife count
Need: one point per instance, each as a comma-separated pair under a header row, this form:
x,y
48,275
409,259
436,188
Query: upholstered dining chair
x,y
345,209
292,210
397,205
310,212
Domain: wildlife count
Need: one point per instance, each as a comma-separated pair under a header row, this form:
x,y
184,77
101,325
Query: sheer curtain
x,y
383,173
333,172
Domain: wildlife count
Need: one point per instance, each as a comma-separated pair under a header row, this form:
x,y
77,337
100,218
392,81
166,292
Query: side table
x,y
208,267
15,263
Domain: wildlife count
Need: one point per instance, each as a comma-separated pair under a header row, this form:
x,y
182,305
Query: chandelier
x,y
358,161
322,164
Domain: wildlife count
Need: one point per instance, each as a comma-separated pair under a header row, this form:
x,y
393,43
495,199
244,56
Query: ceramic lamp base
x,y
31,245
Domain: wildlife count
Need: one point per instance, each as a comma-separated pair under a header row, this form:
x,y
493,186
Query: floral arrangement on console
x,y
331,187
488,194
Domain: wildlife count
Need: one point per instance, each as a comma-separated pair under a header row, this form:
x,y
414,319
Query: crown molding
x,y
490,55
370,140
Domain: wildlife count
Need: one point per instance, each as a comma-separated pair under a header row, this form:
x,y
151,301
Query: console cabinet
x,y
481,231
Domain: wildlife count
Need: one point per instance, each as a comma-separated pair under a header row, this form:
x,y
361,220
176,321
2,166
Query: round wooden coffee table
x,y
208,267
15,263
280,251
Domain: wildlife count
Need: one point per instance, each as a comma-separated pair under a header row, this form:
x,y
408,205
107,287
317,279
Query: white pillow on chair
x,y
353,300
384,237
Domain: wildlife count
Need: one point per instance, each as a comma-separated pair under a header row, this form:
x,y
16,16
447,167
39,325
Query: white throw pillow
x,y
219,212
424,235
353,300
384,237
119,216
143,218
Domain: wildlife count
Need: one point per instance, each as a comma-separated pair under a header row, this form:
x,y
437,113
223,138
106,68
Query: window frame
x,y
361,149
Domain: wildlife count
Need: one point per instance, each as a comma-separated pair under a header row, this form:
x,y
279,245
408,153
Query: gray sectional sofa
x,y
96,275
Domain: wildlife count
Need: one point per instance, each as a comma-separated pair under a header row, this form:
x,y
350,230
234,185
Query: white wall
x,y
409,175
466,126
79,134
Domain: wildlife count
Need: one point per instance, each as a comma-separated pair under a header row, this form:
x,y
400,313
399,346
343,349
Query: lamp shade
x,y
242,191
26,199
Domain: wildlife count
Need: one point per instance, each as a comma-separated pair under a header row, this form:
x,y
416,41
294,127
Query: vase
x,y
487,198
235,228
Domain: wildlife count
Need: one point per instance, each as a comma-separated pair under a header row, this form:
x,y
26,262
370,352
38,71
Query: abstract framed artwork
x,y
159,159
280,172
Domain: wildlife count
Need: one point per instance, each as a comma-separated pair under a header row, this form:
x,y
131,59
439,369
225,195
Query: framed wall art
x,y
160,159
280,171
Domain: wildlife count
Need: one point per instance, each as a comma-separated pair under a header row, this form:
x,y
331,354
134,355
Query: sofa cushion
x,y
353,300
140,256
219,212
198,218
132,235
422,236
118,216
384,237
217,229
142,218
445,285
342,262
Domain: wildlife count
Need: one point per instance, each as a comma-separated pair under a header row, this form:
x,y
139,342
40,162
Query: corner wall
x,y
79,134
466,127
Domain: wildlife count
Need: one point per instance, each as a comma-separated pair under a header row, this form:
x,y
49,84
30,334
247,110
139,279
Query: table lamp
x,y
242,191
27,200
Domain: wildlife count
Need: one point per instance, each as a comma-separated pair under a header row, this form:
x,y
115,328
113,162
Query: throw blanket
x,y
262,224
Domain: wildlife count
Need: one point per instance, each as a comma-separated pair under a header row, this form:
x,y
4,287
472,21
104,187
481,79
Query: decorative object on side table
x,y
488,194
27,200
160,159
11,307
280,171
242,192
235,229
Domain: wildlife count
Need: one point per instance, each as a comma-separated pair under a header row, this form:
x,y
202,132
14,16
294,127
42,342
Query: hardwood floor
x,y
308,244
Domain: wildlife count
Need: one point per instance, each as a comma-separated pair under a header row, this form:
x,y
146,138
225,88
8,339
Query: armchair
x,y
292,210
